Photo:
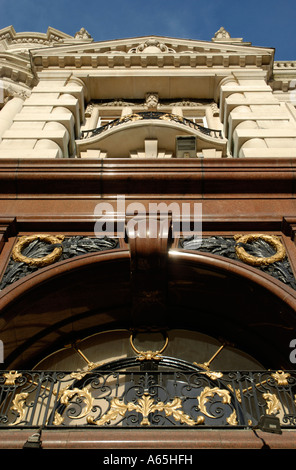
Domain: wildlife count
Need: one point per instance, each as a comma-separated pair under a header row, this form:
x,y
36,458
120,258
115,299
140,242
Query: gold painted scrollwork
x,y
226,399
18,405
273,404
256,260
38,262
145,406
68,395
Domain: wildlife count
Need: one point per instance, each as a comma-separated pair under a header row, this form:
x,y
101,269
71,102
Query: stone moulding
x,y
17,71
160,60
157,52
52,36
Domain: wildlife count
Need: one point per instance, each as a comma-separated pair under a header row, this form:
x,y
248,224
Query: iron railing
x,y
152,115
103,398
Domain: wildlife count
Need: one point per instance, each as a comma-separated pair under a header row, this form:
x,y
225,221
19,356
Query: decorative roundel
x,y
38,262
272,240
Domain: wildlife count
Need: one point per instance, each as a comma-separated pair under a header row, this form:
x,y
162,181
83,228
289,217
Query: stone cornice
x,y
284,76
154,44
245,178
58,51
285,68
18,69
154,52
33,39
189,60
285,64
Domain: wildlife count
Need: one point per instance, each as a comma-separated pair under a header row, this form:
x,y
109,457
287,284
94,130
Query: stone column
x,y
8,112
256,124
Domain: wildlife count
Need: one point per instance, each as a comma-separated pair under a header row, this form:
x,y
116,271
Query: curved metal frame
x,y
158,115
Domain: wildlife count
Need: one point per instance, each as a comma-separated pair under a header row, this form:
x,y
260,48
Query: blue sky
x,y
264,23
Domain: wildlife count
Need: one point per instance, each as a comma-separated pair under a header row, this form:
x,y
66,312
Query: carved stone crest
x,y
151,100
151,46
82,34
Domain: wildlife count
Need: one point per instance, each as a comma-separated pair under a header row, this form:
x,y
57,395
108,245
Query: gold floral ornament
x,y
19,405
146,405
273,404
23,242
11,376
281,377
67,395
226,399
272,240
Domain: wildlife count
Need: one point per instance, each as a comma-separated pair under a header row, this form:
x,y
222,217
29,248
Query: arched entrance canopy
x,y
205,293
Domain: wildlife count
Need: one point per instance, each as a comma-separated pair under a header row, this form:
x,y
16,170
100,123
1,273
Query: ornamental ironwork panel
x,y
36,251
104,398
155,115
265,252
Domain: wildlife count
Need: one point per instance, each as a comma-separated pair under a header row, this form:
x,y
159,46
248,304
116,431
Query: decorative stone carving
x,y
11,92
222,34
151,101
89,109
187,103
152,46
118,102
33,39
82,34
215,109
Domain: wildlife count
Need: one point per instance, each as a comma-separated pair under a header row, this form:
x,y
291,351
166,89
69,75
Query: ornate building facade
x,y
153,321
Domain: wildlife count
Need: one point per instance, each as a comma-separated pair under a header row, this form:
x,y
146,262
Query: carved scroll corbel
x,y
148,239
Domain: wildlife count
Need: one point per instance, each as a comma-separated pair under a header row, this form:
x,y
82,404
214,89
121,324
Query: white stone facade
x,y
56,87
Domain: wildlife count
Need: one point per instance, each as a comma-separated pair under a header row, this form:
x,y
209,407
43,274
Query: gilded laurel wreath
x,y
272,240
23,242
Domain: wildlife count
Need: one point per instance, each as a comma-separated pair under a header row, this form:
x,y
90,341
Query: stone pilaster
x,y
255,122
48,122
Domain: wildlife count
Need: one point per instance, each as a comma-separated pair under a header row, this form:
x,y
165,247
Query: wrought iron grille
x,y
135,398
152,115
